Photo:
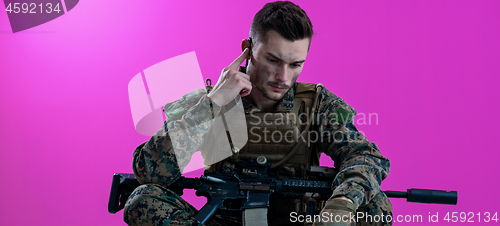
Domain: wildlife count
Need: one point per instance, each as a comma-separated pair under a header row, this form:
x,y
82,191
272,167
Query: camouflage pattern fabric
x,y
152,204
155,161
361,166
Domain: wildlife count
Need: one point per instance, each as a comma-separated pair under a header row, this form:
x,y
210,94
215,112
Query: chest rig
x,y
281,137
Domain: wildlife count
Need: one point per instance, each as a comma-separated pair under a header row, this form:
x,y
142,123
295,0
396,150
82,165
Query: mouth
x,y
277,88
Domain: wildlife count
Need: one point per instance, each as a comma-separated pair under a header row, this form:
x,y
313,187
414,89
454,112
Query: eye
x,y
272,60
297,65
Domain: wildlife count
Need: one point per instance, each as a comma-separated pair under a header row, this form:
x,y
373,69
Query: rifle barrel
x,y
396,194
426,196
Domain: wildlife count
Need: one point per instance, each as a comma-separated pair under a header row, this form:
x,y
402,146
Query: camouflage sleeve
x,y
360,163
162,159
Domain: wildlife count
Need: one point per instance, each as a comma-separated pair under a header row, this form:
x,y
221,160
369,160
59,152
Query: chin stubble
x,y
264,94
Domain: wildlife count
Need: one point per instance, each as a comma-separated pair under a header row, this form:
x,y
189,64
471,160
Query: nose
x,y
282,74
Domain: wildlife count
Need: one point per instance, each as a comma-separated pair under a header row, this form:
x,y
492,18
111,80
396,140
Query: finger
x,y
245,76
242,77
247,89
245,92
235,74
236,63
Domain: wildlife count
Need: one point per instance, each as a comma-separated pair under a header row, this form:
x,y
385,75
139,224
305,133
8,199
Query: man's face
x,y
276,64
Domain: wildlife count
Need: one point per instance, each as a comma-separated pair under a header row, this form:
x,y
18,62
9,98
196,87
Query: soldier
x,y
280,36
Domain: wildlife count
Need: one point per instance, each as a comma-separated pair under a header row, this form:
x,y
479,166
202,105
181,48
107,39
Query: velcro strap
x,y
255,217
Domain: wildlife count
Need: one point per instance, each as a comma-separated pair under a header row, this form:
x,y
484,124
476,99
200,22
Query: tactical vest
x,y
282,138
275,135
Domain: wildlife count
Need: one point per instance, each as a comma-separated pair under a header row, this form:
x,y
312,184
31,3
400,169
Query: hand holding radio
x,y
231,82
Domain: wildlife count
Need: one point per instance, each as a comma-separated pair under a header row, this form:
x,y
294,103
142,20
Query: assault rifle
x,y
253,186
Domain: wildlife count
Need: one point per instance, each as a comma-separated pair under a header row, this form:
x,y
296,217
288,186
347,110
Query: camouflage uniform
x,y
361,166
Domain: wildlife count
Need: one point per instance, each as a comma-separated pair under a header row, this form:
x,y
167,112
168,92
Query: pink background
x,y
429,69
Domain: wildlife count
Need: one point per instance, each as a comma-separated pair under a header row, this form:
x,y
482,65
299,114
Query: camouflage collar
x,y
285,104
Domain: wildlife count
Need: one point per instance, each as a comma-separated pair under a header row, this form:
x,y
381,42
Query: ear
x,y
245,43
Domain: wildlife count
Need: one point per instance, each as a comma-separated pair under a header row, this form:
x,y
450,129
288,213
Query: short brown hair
x,y
286,18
